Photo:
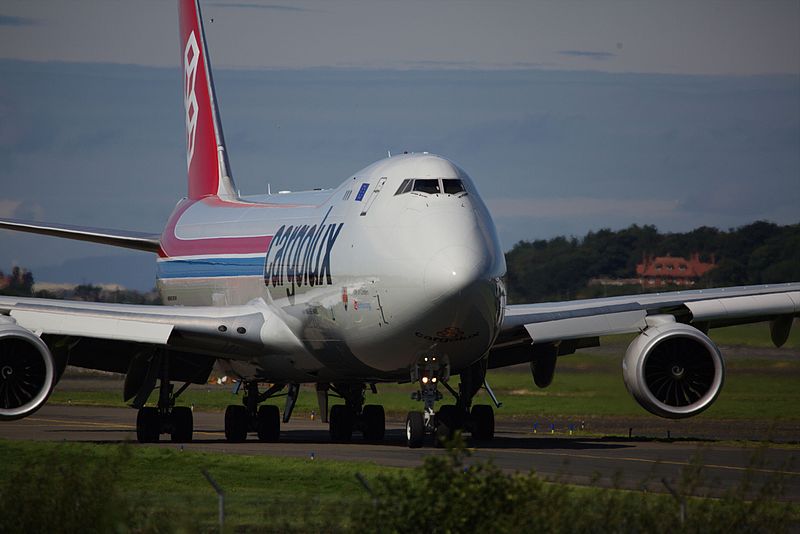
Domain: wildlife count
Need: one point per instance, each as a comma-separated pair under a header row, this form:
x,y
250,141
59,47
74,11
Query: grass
x,y
260,490
754,335
592,384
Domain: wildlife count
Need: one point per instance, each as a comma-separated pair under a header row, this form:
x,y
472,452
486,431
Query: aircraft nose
x,y
453,269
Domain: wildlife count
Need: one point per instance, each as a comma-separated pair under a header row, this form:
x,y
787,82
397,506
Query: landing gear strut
x,y
263,420
166,418
353,415
479,419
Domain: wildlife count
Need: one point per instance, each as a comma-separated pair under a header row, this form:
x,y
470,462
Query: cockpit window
x,y
432,186
427,186
452,186
405,187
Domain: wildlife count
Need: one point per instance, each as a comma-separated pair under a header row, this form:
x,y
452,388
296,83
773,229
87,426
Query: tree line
x,y
18,283
560,268
21,283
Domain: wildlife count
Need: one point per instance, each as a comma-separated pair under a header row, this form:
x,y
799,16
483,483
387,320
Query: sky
x,y
569,116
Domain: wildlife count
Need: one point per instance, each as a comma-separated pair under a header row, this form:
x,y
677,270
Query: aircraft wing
x,y
46,334
118,238
580,323
229,330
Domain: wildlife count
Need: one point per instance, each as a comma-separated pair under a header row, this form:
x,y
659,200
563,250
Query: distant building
x,y
666,270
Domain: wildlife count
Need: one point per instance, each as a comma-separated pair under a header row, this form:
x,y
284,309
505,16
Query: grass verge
x,y
158,489
120,488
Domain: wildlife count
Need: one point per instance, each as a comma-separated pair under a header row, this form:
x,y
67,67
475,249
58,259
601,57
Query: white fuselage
x,y
367,278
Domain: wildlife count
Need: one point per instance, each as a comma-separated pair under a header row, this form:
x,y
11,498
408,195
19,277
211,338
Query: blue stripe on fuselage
x,y
210,267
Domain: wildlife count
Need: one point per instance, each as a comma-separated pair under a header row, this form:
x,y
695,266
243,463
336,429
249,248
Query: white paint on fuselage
x,y
418,275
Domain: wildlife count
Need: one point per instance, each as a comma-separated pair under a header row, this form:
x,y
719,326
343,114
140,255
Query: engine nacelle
x,y
673,370
27,371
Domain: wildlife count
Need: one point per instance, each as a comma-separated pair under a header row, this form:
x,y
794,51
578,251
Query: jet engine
x,y
27,371
673,370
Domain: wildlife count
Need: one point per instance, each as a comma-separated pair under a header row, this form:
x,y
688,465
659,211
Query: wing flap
x,y
230,331
589,326
96,327
743,307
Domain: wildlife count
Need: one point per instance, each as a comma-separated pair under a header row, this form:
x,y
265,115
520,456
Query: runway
x,y
634,464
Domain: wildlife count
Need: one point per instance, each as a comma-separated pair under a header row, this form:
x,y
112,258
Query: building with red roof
x,y
668,270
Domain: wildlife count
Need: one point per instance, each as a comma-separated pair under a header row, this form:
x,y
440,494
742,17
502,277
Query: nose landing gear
x,y
479,420
429,372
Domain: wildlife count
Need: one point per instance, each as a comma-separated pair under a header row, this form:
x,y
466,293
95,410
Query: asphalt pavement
x,y
638,463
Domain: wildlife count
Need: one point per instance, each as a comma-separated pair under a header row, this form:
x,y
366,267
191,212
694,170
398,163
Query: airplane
x,y
393,276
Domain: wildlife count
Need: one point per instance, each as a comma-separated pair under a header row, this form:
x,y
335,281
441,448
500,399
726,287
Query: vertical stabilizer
x,y
206,157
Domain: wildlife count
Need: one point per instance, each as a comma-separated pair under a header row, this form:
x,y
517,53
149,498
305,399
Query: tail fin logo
x,y
191,57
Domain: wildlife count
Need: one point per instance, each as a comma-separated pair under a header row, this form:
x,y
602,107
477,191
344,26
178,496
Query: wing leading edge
x,y
118,238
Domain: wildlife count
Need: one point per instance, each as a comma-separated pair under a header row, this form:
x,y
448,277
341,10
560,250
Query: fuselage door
x,y
373,196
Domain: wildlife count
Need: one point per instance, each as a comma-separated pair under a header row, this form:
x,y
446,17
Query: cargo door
x,y
375,192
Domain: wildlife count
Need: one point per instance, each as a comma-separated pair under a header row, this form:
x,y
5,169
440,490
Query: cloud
x,y
590,54
249,5
8,207
9,20
539,208
18,209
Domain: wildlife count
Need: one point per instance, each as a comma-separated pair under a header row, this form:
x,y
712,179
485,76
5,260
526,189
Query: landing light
x,y
424,379
433,379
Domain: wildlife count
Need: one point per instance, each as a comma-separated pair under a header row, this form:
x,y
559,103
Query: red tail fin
x,y
206,158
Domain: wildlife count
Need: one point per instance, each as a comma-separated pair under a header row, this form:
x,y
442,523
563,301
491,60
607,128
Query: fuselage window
x,y
427,186
405,187
452,187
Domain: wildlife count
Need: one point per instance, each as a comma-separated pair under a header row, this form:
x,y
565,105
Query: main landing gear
x,y
344,419
479,420
265,420
166,418
353,415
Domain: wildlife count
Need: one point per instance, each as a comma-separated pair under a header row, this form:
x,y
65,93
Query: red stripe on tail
x,y
202,156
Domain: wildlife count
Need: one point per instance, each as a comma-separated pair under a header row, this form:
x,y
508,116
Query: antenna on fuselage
x,y
269,189
389,152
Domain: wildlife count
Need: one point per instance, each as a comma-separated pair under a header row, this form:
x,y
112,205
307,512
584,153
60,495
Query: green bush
x,y
448,494
75,491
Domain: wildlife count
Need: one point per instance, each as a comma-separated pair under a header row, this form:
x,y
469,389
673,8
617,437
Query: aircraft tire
x,y
341,423
148,425
374,422
415,430
482,422
268,424
182,424
236,423
447,422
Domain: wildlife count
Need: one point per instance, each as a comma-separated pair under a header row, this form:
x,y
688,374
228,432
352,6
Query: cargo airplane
x,y
395,275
